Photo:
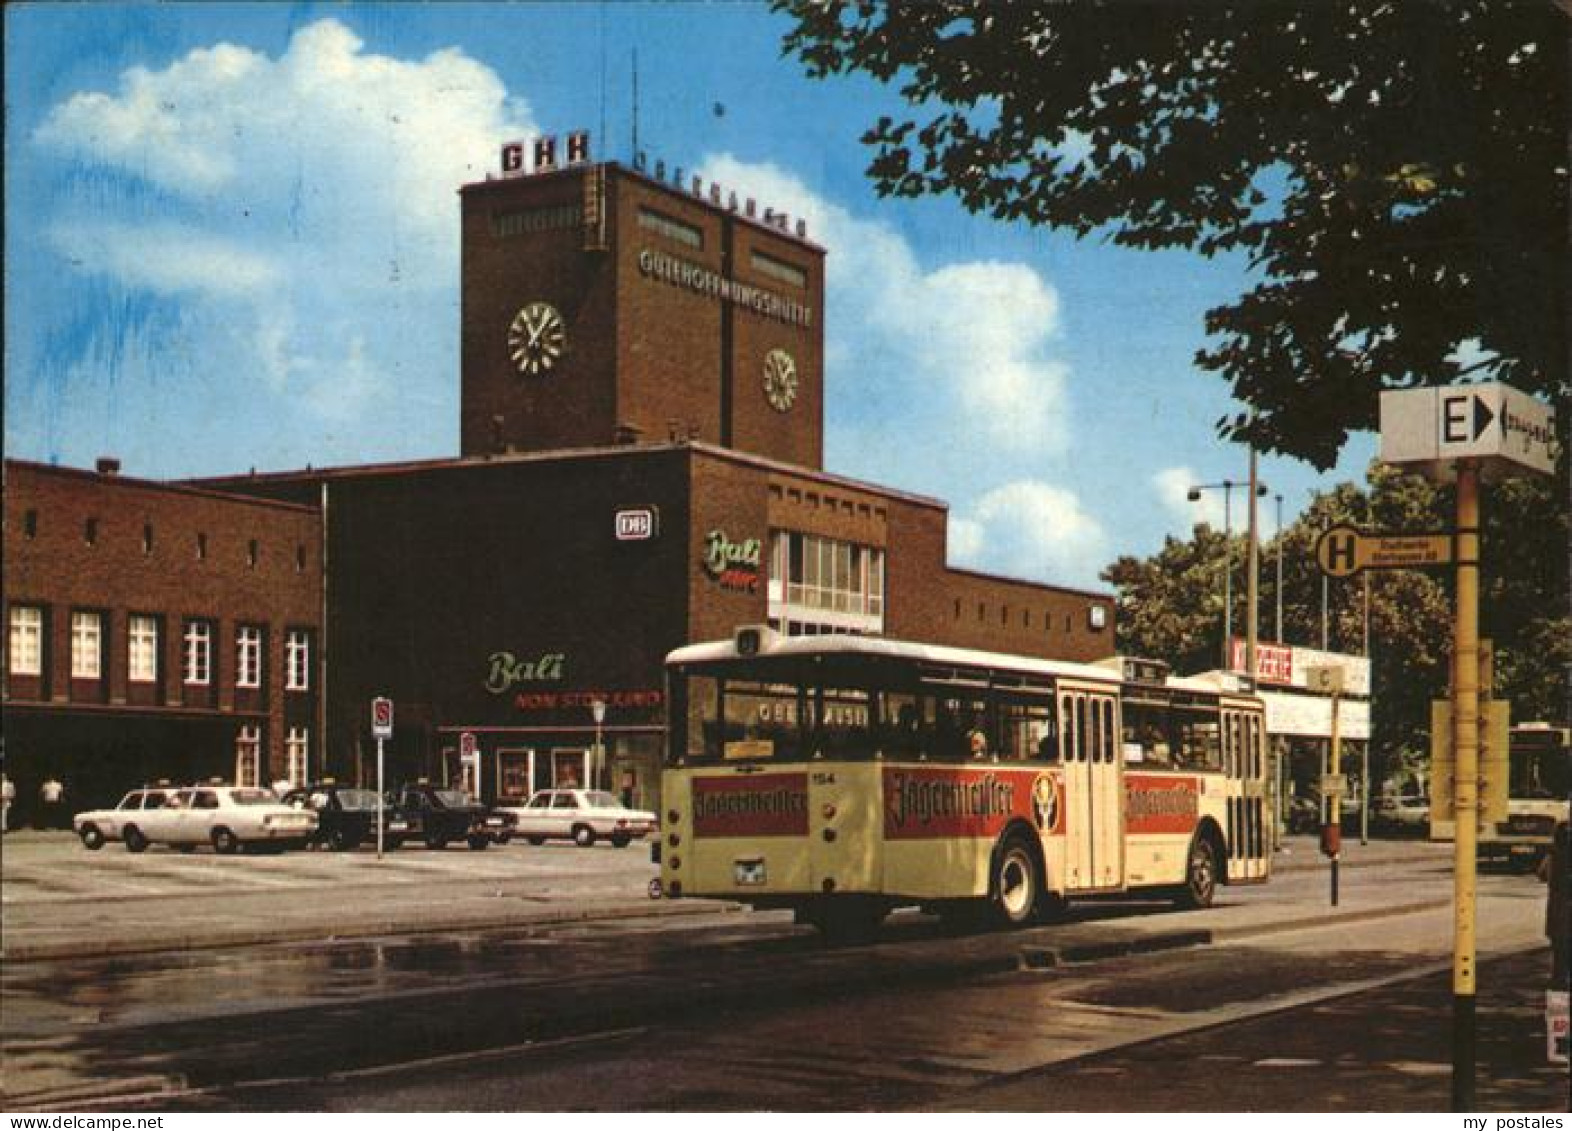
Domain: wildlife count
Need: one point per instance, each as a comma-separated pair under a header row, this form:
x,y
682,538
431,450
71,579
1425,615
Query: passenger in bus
x,y
976,738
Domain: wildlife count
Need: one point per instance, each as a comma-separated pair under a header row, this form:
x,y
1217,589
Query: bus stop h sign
x,y
1506,431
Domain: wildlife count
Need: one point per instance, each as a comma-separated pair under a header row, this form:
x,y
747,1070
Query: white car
x,y
579,815
227,817
99,825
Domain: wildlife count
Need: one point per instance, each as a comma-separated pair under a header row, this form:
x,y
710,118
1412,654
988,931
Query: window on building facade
x,y
30,524
819,585
27,640
779,269
296,744
198,652
201,547
90,532
248,656
248,756
141,648
87,644
147,539
297,660
252,552
671,227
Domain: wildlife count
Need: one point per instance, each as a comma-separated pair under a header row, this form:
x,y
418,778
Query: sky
x,y
232,241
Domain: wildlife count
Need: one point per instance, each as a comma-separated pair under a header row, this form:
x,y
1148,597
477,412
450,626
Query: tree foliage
x,y
1395,172
1170,605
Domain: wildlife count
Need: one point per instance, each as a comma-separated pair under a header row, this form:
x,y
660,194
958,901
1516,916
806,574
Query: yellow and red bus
x,y
844,776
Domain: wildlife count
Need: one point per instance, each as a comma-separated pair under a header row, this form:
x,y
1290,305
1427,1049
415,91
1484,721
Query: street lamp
x,y
1227,488
1278,499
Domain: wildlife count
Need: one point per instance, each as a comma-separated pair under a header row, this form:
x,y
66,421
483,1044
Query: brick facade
x,y
644,350
120,549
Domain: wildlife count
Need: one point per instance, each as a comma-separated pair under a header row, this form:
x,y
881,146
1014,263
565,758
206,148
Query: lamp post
x,y
1227,486
1278,499
598,710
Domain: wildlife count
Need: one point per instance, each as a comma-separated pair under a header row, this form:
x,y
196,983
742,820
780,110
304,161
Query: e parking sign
x,y
381,717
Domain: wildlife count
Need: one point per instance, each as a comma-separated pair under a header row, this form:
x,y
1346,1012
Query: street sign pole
x,y
1465,791
380,799
381,730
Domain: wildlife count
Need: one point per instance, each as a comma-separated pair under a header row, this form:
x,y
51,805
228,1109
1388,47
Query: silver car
x,y
227,817
96,826
579,815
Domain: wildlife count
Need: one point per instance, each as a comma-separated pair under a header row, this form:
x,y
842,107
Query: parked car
x,y
1403,812
582,816
347,816
440,816
227,817
96,826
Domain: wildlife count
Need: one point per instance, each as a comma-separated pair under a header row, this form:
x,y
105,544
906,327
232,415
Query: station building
x,y
640,466
155,631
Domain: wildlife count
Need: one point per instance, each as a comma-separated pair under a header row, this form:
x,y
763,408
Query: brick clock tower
x,y
604,305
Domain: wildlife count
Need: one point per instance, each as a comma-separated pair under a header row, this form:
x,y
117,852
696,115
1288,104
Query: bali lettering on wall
x,y
508,670
732,565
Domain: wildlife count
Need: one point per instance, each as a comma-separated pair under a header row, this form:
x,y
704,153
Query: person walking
x,y
51,795
7,795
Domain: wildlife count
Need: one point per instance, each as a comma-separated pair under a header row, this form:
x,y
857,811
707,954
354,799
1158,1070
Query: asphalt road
x,y
631,1008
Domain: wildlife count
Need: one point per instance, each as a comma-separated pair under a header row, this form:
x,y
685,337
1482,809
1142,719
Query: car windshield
x,y
252,797
600,799
357,799
452,798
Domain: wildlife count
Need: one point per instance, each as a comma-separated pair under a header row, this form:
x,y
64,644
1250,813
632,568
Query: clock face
x,y
780,380
537,338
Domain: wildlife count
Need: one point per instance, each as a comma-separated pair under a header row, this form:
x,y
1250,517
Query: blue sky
x,y
232,242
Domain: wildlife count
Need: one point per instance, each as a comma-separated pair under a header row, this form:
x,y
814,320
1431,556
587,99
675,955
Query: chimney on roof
x,y
108,465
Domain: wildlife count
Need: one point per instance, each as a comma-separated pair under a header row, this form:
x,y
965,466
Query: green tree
x,y
1170,604
1396,173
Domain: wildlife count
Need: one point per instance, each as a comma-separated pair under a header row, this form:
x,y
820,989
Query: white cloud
x,y
302,210
966,341
1031,529
1173,488
167,259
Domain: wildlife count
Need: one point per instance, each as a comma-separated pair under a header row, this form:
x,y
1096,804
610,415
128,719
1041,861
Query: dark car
x,y
440,815
347,815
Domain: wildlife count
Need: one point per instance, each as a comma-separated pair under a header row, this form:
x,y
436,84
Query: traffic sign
x,y
1334,785
1430,429
381,717
1342,551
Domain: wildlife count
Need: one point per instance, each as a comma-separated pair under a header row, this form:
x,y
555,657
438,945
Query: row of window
x,y
90,532
821,584
1096,616
143,633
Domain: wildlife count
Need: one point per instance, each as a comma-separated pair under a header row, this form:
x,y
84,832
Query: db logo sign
x,y
381,718
637,524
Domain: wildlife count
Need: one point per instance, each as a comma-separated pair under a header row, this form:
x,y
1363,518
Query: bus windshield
x,y
844,709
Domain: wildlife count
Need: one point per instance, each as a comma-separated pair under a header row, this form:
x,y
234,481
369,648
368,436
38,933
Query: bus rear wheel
x,y
1200,875
1017,883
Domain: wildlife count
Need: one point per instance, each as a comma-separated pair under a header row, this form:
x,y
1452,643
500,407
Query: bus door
x,y
1244,768
1093,789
